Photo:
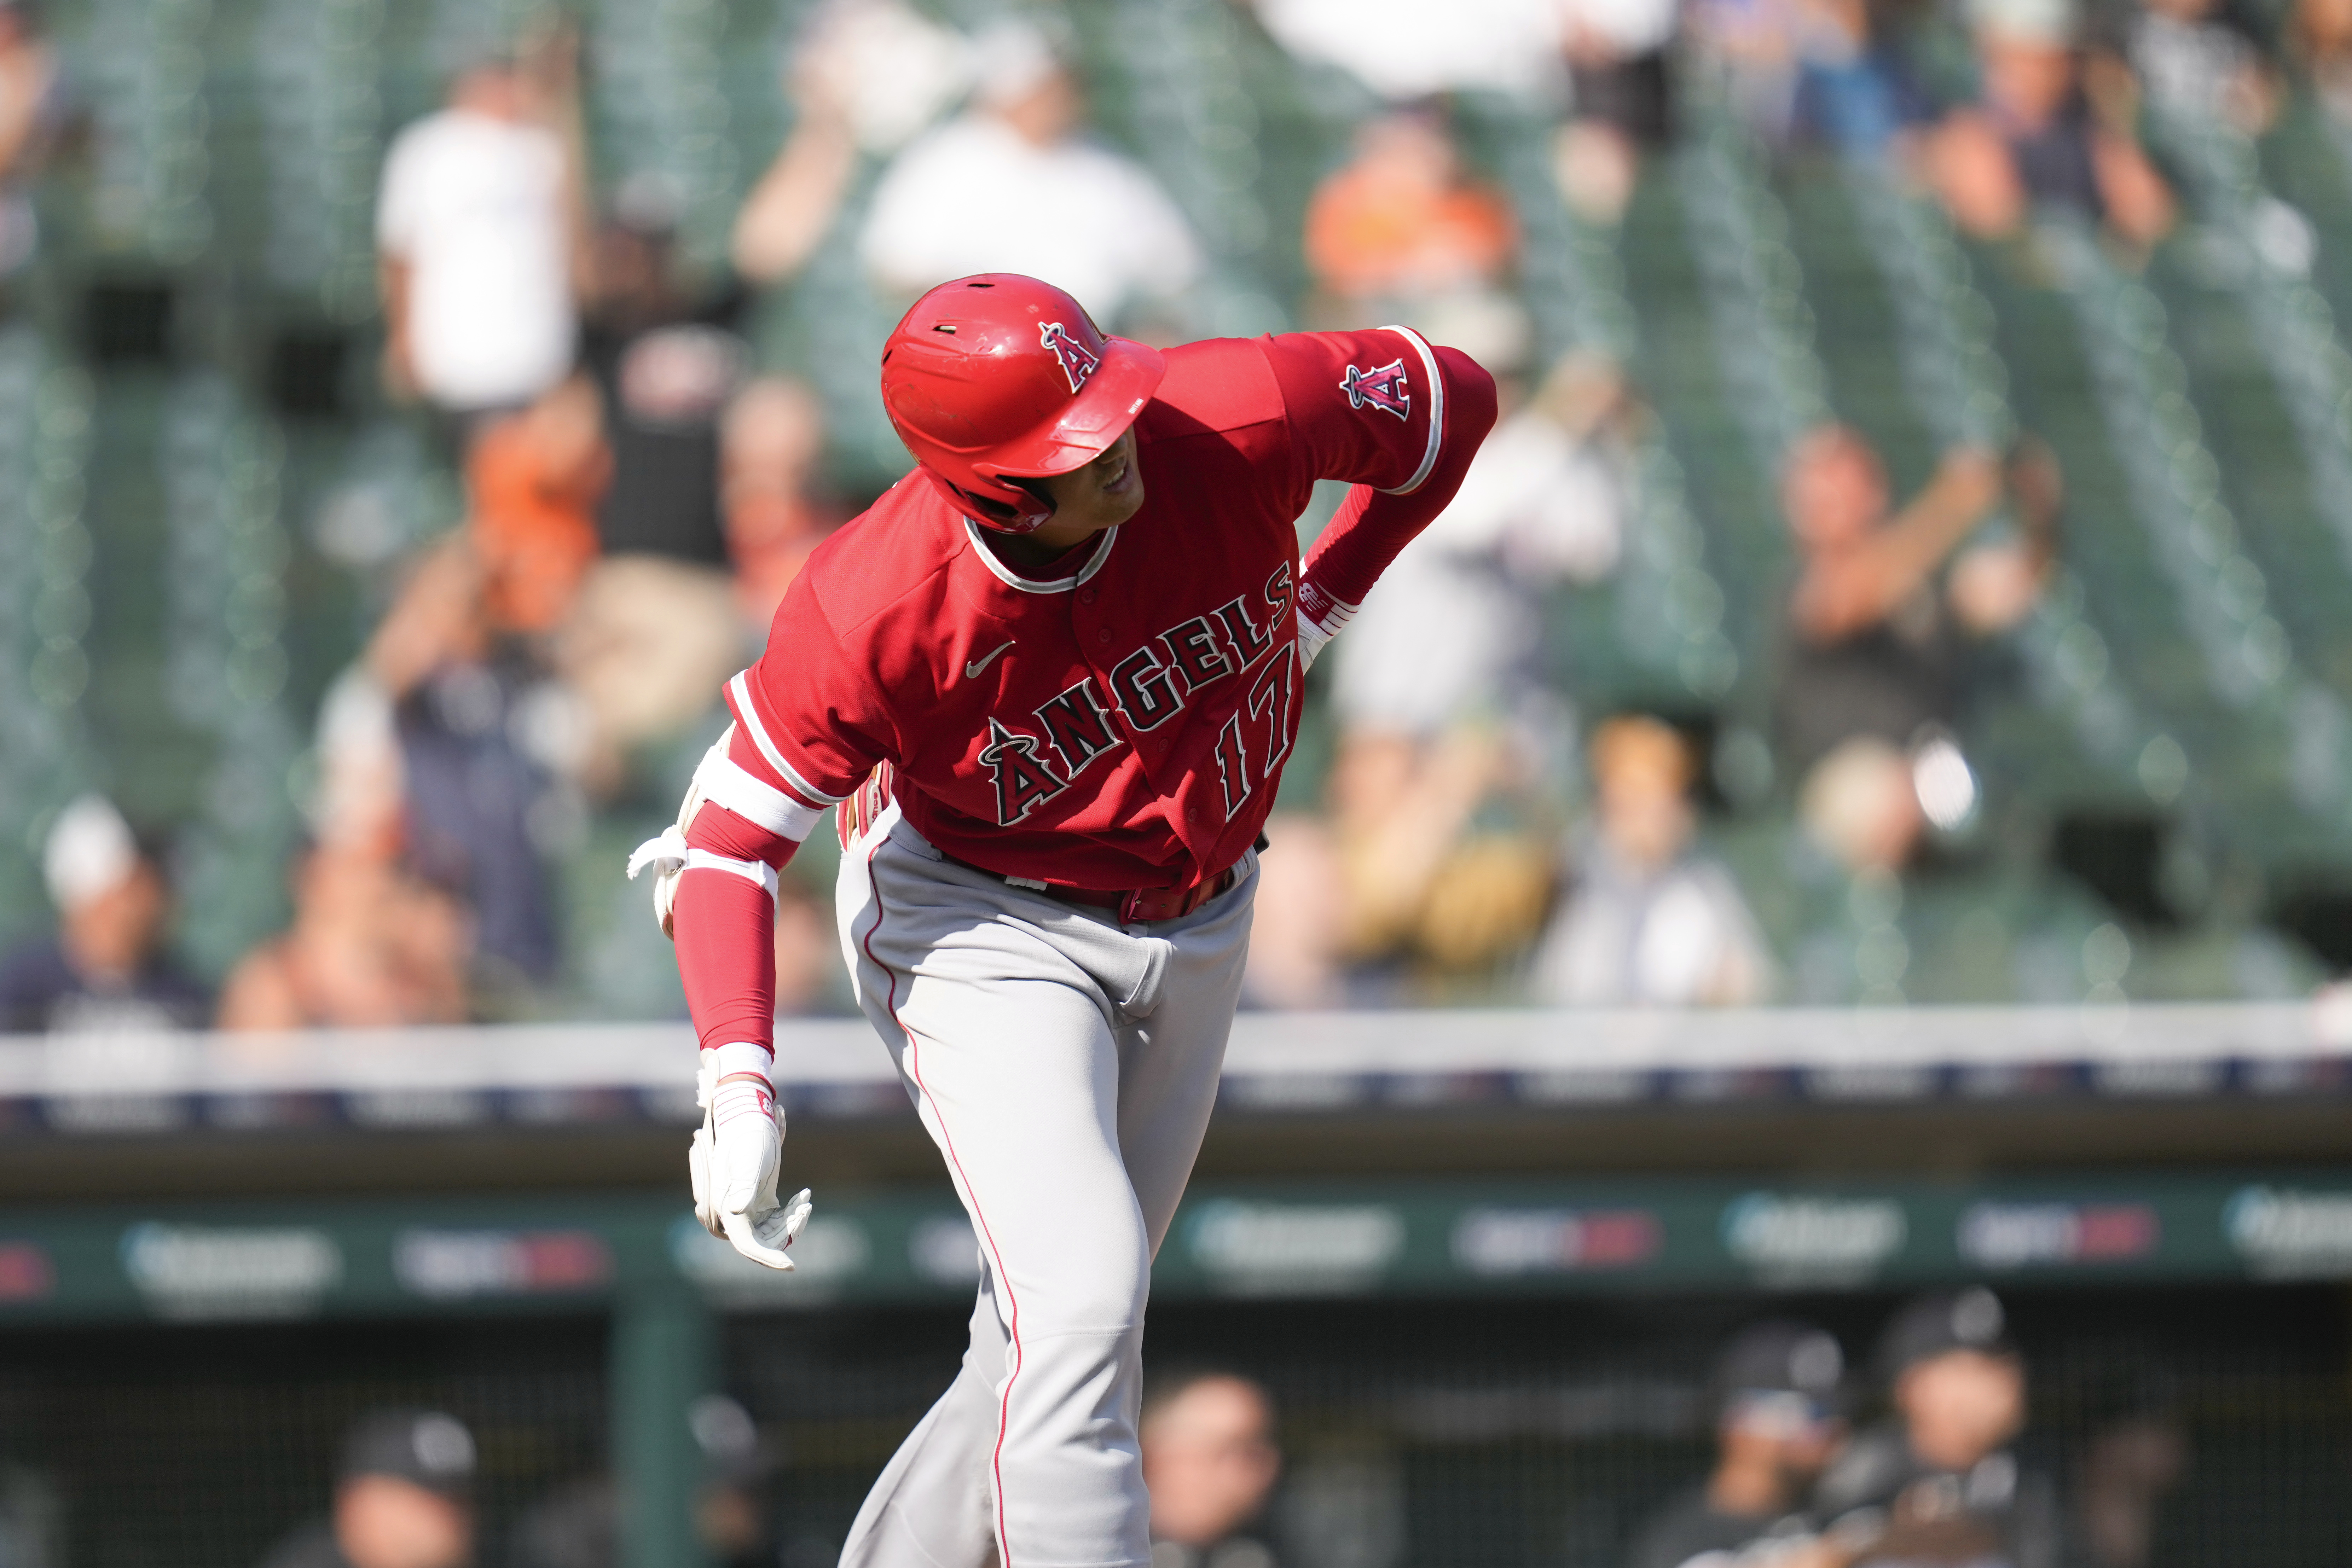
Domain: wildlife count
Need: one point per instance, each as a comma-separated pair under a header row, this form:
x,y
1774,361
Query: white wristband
x,y
1311,638
742,1056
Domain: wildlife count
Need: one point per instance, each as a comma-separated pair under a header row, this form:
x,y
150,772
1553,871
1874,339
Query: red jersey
x,y
1121,726
1124,725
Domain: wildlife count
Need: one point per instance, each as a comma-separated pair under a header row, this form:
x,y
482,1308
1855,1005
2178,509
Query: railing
x,y
1278,1064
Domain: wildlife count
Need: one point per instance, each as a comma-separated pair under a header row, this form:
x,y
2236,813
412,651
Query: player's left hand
x,y
736,1154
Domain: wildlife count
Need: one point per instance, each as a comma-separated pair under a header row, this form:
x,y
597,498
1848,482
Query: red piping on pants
x,y
1013,1323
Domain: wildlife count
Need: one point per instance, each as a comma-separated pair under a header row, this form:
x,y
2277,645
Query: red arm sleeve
x,y
1395,416
800,741
724,916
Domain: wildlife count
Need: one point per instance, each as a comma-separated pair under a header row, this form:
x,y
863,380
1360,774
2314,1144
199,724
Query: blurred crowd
x,y
1926,1453
640,483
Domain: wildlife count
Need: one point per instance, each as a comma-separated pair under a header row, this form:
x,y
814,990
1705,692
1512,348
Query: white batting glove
x,y
736,1154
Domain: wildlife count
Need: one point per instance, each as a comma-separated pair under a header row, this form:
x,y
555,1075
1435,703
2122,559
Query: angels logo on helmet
x,y
1079,362
1383,387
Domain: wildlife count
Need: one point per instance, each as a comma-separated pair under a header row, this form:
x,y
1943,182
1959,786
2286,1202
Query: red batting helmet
x,y
1000,377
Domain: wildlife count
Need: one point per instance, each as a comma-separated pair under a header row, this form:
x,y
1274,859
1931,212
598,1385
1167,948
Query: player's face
x,y
1102,495
385,1521
1210,1459
1785,1435
1961,1406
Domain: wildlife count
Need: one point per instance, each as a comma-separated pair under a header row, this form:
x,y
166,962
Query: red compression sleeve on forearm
x,y
725,928
1371,527
727,956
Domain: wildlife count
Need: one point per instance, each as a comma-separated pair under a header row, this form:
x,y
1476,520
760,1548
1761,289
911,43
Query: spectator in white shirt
x,y
866,78
2203,59
1622,99
1434,851
1011,186
1409,49
1447,634
477,223
1650,920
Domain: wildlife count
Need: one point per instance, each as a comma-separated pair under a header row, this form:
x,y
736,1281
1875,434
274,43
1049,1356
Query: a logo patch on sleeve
x,y
1383,387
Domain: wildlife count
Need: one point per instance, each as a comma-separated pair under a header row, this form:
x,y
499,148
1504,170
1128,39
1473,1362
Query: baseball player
x,y
1048,681
1778,1425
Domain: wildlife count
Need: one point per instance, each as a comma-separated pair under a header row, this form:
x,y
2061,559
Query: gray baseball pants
x,y
1066,1066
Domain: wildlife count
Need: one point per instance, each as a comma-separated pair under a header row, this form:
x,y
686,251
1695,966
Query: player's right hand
x,y
736,1154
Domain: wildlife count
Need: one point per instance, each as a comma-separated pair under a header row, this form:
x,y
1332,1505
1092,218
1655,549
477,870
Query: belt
x,y
1135,906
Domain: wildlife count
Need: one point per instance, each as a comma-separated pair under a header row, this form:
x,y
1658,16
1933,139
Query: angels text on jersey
x,y
1034,757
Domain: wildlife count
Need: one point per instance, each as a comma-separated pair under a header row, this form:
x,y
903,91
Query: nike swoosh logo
x,y
971,671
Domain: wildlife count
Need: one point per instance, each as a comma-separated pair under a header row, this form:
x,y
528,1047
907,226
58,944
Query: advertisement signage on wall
x,y
1303,1241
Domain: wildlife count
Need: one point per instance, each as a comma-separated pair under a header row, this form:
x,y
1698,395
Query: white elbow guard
x,y
665,856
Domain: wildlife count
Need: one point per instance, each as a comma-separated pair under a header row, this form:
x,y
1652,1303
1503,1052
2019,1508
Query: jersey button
x,y
1085,596
1103,635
